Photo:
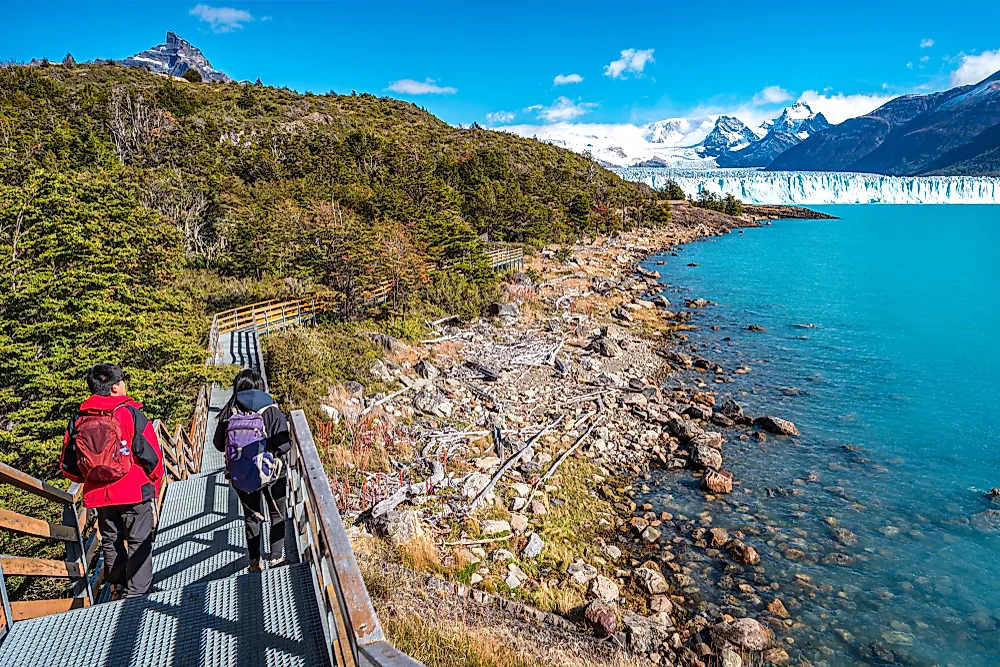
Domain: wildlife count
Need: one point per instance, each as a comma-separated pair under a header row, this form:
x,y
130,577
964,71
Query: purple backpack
x,y
251,467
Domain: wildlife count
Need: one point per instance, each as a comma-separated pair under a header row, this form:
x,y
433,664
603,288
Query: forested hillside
x,y
129,202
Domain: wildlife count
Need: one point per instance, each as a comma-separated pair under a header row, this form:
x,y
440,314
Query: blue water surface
x,y
903,364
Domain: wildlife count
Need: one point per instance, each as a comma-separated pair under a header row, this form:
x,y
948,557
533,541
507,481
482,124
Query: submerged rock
x,y
988,521
776,425
717,481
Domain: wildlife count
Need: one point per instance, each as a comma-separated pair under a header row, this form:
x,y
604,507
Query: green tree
x,y
192,75
733,206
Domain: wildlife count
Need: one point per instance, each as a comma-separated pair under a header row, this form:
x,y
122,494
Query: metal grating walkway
x,y
267,619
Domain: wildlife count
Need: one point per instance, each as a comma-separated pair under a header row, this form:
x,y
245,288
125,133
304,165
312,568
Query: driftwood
x,y
436,480
387,398
511,462
555,466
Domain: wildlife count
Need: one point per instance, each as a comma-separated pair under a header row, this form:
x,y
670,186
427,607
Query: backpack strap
x,y
269,405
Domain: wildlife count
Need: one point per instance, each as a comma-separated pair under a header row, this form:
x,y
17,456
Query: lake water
x,y
904,364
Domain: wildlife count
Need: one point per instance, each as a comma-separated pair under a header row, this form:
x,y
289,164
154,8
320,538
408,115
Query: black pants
x,y
129,569
270,499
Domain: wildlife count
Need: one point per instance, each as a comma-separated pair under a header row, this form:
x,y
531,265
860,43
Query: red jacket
x,y
142,482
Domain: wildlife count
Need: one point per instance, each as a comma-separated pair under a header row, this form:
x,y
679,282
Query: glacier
x,y
821,187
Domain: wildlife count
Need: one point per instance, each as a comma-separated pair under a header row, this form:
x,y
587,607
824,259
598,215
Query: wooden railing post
x,y
77,553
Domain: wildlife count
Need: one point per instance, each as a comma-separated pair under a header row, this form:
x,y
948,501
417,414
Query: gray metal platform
x,y
267,619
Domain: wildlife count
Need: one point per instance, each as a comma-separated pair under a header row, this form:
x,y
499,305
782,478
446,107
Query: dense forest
x,y
133,205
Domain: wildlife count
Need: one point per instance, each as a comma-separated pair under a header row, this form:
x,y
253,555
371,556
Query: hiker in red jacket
x,y
110,447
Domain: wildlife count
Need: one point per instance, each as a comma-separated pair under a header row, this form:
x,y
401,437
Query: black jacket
x,y
279,440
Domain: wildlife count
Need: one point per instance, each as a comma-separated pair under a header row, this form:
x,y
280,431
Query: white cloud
x,y
221,19
772,95
909,65
925,59
562,109
427,87
499,117
976,68
926,43
632,60
838,108
563,79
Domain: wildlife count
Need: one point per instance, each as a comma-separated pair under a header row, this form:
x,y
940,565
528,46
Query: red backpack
x,y
101,452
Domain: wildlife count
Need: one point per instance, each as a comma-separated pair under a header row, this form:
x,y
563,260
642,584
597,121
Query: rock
x,y
650,535
431,401
706,457
537,507
605,347
661,301
518,523
508,311
646,273
685,429
474,484
661,604
777,656
612,552
398,526
512,580
517,504
722,420
711,439
729,658
495,527
426,370
475,578
697,303
388,343
487,462
380,371
731,409
743,553
501,556
534,547
622,314
650,581
777,607
717,481
603,589
645,635
601,618
987,522
744,633
613,332
756,327
718,537
608,379
776,425
581,573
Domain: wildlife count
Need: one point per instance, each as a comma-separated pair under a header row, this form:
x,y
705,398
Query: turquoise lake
x,y
903,368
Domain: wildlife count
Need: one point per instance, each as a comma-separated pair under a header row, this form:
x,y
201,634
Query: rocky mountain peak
x,y
174,57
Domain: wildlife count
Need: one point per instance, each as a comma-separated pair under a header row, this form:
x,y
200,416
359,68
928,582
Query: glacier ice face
x,y
821,187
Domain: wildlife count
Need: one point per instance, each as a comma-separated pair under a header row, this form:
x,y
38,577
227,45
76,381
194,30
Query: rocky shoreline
x,y
532,435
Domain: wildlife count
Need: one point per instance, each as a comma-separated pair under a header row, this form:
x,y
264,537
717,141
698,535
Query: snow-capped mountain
x,y
702,142
175,57
729,134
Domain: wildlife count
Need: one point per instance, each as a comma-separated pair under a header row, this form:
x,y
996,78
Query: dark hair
x,y
245,380
102,377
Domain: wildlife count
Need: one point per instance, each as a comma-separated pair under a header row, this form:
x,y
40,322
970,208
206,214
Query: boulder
x,y
722,420
777,607
706,457
661,301
743,553
431,401
776,425
398,526
601,618
613,332
426,370
474,484
717,481
495,527
711,439
661,604
388,343
518,523
685,429
534,547
606,347
718,537
505,310
646,273
603,589
650,581
645,635
729,658
744,634
612,552
581,573
731,409
650,535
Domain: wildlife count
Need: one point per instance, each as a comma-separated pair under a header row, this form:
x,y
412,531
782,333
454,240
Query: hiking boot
x,y
255,566
277,562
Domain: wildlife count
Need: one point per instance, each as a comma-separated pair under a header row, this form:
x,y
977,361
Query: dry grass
x,y
450,644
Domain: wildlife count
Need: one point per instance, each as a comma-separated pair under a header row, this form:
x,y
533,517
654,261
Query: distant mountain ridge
x,y
954,132
174,57
795,124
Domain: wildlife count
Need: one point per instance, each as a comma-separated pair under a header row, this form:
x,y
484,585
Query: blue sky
x,y
498,62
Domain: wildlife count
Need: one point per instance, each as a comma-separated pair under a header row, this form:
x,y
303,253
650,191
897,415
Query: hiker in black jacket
x,y
249,396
